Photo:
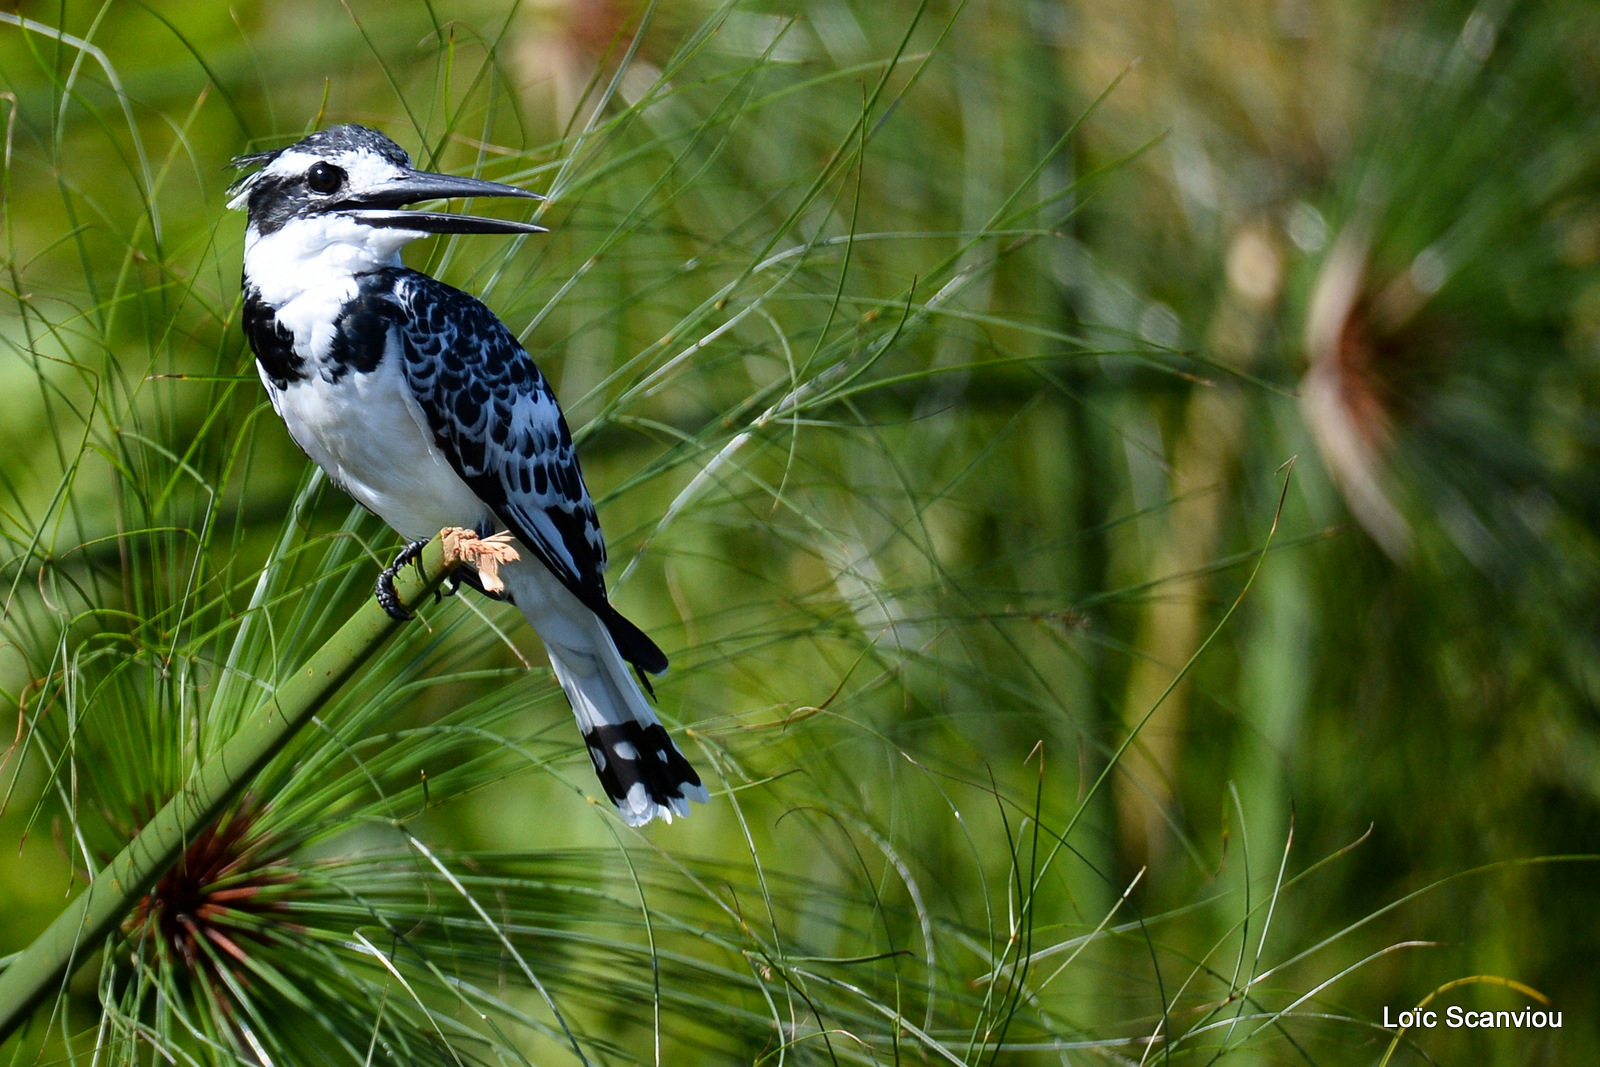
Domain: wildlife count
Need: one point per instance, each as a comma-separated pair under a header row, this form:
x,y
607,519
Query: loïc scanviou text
x,y
1456,1017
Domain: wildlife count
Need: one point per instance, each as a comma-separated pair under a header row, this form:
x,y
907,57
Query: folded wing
x,y
495,418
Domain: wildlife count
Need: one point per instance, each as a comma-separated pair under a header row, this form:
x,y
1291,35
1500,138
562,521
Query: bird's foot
x,y
467,576
388,599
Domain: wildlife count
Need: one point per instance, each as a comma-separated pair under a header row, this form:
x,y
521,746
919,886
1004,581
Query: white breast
x,y
365,430
368,433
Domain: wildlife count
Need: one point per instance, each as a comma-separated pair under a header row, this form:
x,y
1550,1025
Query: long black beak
x,y
376,207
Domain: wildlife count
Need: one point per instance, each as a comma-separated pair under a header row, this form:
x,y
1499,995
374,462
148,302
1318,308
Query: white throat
x,y
318,252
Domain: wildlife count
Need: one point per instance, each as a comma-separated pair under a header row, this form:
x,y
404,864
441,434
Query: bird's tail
x,y
642,771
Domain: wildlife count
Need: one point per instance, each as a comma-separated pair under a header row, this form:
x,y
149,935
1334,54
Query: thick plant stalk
x,y
76,933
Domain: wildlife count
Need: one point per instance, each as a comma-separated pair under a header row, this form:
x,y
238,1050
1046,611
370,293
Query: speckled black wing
x,y
495,418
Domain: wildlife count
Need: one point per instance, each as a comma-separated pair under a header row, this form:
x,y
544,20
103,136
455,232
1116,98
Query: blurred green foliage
x,y
938,368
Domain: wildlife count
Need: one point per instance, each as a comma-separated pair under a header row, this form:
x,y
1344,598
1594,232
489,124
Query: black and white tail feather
x,y
421,405
642,771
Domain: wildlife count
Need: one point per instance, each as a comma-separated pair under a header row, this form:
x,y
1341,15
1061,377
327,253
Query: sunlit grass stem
x,y
76,933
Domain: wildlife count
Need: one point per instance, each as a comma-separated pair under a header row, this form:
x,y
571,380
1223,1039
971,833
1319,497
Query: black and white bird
x,y
419,403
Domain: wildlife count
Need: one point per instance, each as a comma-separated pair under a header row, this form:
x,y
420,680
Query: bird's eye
x,y
324,177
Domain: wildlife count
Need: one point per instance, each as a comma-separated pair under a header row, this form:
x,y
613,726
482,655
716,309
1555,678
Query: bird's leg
x,y
466,576
388,599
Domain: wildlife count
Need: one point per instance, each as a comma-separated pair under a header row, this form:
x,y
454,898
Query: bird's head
x,y
355,181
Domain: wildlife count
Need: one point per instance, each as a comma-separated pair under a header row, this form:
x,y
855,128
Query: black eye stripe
x,y
324,177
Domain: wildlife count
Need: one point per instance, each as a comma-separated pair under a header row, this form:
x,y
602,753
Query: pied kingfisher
x,y
418,402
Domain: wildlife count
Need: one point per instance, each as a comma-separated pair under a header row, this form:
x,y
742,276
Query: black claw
x,y
409,554
388,599
468,576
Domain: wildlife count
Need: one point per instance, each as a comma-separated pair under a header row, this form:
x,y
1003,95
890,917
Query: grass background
x,y
937,368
